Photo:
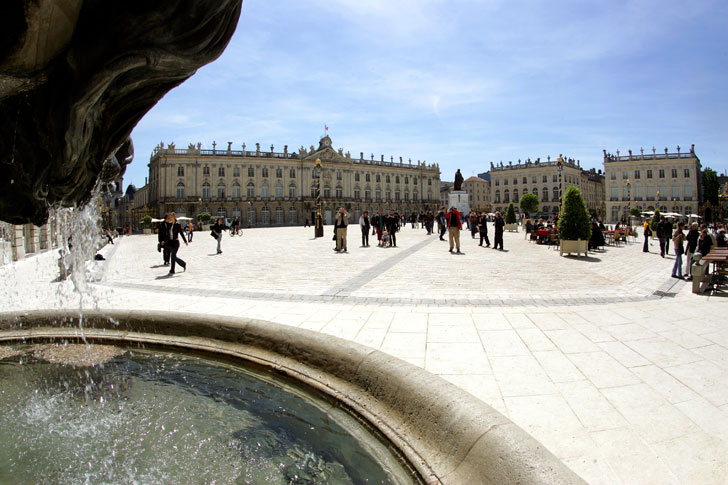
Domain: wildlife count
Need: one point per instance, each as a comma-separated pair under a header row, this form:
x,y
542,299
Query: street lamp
x,y
628,184
560,169
319,226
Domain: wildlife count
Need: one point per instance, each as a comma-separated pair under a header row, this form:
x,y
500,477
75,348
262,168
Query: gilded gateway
x,y
265,187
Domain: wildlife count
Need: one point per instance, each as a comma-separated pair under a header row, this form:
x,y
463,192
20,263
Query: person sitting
x,y
721,241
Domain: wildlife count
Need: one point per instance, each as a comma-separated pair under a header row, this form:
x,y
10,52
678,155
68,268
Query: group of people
x,y
698,242
452,222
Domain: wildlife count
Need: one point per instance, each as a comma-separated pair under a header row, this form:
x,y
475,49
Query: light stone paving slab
x,y
623,384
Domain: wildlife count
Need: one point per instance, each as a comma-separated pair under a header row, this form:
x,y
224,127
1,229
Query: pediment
x,y
326,154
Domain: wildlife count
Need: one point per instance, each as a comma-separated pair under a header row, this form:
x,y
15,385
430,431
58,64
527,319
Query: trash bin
x,y
699,273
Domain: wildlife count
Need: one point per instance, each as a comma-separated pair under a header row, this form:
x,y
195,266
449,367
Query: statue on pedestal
x,y
458,180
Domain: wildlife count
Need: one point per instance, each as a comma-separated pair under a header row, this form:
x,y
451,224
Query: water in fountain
x,y
151,417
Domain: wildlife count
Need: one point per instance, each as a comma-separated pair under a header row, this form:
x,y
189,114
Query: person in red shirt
x,y
453,228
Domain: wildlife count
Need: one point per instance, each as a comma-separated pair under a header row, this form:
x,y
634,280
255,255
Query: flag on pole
x,y
327,128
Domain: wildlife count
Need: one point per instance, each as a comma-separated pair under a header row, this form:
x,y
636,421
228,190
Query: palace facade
x,y
264,188
668,181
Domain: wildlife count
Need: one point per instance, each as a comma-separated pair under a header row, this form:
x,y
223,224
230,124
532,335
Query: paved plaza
x,y
615,367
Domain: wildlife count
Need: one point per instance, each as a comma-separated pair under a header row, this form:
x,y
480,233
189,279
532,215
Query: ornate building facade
x,y
548,180
478,191
668,181
264,188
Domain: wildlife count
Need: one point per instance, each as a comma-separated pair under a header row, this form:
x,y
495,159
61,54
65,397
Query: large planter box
x,y
147,230
570,246
511,227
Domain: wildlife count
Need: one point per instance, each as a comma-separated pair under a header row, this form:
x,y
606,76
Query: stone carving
x,y
458,180
302,151
75,80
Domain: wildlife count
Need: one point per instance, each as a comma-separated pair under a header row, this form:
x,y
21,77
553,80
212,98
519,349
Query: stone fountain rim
x,y
444,433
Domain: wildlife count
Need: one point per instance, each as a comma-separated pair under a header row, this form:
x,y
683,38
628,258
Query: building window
x,y
221,212
265,190
555,178
279,174
544,195
221,190
406,180
357,193
675,191
497,196
505,181
180,190
515,195
674,173
497,182
555,197
515,180
356,177
266,215
396,179
265,172
429,181
613,176
388,195
687,173
636,174
506,196
414,180
236,173
180,171
279,190
661,173
250,189
292,190
396,195
406,196
525,180
205,190
545,178
688,191
338,175
339,192
279,215
649,174
292,216
615,192
327,192
251,172
236,212
429,195
378,193
534,179
415,196
221,171
367,194
236,189
205,170
292,173
386,179
251,215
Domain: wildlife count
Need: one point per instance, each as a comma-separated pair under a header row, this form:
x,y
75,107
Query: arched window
x,y
205,190
279,190
415,197
506,196
279,215
515,195
357,193
264,190
236,189
396,195
327,192
250,189
236,212
180,190
221,190
406,195
339,192
251,215
497,196
544,195
555,197
378,194
292,190
221,212
265,212
292,216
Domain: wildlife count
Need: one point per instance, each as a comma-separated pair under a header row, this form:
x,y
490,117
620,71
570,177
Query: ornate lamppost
x,y
319,225
628,184
560,169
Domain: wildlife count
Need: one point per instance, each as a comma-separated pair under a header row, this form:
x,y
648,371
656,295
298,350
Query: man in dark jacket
x,y
442,223
160,238
453,227
483,229
217,231
499,225
692,247
664,232
170,230
391,222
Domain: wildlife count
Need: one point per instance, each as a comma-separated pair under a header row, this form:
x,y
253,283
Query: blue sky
x,y
458,82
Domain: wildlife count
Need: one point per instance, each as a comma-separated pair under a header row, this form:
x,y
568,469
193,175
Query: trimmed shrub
x,y
529,203
574,218
511,214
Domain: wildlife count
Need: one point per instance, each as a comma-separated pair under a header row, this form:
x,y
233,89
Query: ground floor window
x,y
279,215
292,215
265,212
251,216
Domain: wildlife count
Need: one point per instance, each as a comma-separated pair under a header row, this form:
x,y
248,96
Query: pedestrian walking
x,y
647,233
170,232
664,232
454,225
391,223
364,226
378,222
442,223
499,225
160,238
217,231
483,229
692,247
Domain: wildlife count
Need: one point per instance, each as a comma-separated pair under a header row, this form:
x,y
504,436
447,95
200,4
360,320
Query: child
x,y
385,239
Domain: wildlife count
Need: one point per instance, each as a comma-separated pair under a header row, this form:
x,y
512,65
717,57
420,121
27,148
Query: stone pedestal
x,y
459,200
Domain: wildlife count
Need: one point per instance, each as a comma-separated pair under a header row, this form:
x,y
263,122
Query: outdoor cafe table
x,y
543,232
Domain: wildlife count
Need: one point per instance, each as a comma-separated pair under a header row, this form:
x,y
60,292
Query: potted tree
x,y
529,204
203,218
574,225
511,221
146,224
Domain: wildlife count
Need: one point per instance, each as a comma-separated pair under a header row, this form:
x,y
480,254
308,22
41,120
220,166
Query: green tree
x,y
574,218
529,203
711,186
146,221
204,217
511,214
635,212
